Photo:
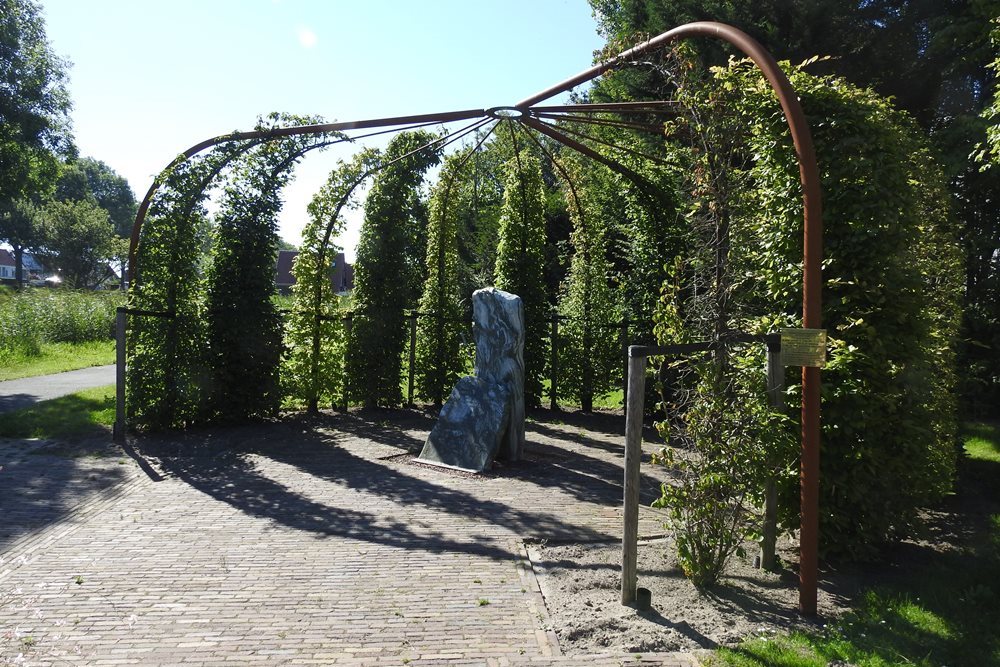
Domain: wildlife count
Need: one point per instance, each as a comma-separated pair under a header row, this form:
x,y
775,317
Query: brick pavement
x,y
311,541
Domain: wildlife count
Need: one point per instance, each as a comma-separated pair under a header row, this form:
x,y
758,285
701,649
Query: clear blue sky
x,y
148,79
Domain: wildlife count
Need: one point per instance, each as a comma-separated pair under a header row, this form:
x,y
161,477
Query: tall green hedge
x,y
439,330
384,271
521,261
892,278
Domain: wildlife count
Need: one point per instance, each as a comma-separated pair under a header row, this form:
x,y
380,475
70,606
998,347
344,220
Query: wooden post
x,y
775,395
413,358
554,364
118,432
623,335
633,456
348,325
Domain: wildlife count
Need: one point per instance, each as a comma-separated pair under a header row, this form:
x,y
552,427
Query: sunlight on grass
x,y
86,411
982,441
944,613
57,358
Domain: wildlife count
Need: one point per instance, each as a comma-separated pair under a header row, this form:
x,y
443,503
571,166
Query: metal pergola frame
x,y
530,113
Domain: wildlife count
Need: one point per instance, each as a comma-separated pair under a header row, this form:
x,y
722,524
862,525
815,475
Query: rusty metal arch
x,y
524,112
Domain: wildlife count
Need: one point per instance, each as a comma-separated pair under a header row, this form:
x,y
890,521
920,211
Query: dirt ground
x,y
581,584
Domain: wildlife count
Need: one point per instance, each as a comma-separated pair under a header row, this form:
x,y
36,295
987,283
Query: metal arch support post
x,y
812,257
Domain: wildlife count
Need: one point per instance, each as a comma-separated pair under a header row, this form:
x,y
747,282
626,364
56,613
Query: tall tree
x,y
383,272
244,328
520,266
439,330
34,118
76,239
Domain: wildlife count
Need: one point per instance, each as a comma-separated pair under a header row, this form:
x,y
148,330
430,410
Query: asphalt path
x,y
25,392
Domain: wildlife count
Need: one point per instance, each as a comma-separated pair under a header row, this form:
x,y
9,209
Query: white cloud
x,y
307,38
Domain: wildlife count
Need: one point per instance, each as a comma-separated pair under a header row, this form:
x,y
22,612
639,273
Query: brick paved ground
x,y
313,541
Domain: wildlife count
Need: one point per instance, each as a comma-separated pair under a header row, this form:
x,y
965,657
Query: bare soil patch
x,y
582,589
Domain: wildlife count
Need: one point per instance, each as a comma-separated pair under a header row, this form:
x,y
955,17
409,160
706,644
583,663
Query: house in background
x,y
341,275
7,266
34,272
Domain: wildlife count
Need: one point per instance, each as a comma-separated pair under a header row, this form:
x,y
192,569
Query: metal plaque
x,y
803,347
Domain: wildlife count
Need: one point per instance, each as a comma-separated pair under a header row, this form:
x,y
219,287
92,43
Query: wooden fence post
x,y
118,431
554,364
633,456
775,395
413,358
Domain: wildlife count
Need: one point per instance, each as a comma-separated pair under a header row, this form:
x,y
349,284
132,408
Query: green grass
x,y
56,358
81,413
944,613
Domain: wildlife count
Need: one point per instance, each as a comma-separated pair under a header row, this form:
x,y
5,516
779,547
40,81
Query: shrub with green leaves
x,y
31,317
521,261
892,279
243,326
589,359
165,368
439,330
314,338
383,270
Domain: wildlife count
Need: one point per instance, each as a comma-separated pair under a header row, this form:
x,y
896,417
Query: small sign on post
x,y
803,347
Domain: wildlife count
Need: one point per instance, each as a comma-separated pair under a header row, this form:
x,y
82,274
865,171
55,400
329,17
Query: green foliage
x,y
31,318
992,113
892,283
313,370
589,358
243,325
166,374
439,330
385,268
520,261
76,239
34,106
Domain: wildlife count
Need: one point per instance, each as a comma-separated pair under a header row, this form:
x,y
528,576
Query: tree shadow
x,y
41,482
317,447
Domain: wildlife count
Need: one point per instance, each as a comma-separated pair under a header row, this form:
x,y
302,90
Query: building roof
x,y
6,257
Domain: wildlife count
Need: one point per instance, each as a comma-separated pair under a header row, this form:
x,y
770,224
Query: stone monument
x,y
484,415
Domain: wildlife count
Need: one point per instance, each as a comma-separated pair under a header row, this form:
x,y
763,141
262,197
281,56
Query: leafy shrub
x,y
892,277
34,316
393,209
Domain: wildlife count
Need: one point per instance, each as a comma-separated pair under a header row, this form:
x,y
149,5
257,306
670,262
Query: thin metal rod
x,y
630,151
663,106
607,122
118,431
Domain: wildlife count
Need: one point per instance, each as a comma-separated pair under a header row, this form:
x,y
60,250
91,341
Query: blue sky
x,y
149,79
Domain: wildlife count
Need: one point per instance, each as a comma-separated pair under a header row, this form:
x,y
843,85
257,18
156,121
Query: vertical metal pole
x,y
633,455
348,326
775,395
118,432
623,334
413,358
554,364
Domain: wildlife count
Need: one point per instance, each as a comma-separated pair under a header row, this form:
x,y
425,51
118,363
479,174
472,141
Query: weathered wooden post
x,y
118,431
633,456
413,358
775,395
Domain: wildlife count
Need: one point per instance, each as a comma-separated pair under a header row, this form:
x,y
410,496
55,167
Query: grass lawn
x,y
87,411
58,357
944,613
